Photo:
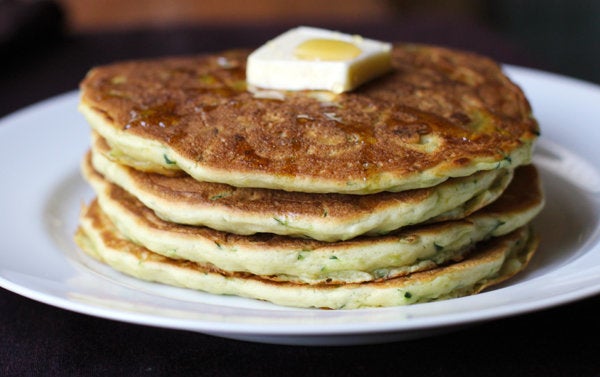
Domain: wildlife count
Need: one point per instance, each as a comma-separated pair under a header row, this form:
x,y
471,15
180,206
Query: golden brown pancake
x,y
327,217
440,113
390,194
491,263
361,259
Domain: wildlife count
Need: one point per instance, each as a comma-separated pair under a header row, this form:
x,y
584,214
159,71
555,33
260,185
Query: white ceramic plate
x,y
41,193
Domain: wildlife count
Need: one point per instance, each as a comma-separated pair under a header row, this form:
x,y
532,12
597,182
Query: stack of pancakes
x,y
412,188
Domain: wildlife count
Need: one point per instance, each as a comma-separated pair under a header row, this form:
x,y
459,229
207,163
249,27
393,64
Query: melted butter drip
x,y
326,50
247,153
162,115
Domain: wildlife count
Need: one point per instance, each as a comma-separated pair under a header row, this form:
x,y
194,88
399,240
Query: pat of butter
x,y
307,58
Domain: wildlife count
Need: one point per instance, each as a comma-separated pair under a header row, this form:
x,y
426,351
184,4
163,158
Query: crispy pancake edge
x,y
361,259
327,217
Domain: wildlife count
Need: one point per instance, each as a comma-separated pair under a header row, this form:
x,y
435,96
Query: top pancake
x,y
440,113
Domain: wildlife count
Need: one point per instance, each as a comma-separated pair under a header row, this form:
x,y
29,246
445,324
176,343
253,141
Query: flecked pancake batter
x,y
440,113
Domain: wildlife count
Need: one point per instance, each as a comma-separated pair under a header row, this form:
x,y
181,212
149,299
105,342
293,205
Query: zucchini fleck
x,y
280,221
168,161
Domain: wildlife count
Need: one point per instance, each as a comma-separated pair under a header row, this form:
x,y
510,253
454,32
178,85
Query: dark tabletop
x,y
37,339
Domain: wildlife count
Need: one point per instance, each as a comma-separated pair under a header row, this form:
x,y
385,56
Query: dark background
x,y
67,37
47,47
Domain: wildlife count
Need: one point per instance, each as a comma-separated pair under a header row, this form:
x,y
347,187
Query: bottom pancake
x,y
491,262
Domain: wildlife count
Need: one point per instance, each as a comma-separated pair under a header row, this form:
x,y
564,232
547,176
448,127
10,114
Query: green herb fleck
x,y
333,257
220,196
168,161
280,221
381,273
407,295
498,224
438,247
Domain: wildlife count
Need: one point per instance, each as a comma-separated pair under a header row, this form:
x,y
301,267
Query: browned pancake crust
x,y
523,192
199,107
115,240
186,191
522,243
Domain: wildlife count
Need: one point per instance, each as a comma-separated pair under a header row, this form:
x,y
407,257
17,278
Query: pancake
x,y
326,217
309,261
440,113
492,263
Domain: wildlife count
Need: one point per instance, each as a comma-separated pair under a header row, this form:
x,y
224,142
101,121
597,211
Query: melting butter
x,y
308,58
326,49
